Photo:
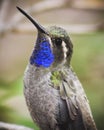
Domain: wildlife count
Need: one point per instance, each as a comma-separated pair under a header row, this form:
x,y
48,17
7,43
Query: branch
x,y
7,126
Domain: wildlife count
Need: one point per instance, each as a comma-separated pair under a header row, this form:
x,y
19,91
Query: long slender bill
x,y
37,25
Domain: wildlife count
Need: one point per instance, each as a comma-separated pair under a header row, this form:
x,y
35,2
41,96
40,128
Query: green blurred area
x,y
88,63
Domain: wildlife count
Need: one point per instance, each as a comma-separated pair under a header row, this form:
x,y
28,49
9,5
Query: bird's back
x,y
72,92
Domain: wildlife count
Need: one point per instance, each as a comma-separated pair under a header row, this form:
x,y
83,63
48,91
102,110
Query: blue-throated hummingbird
x,y
54,95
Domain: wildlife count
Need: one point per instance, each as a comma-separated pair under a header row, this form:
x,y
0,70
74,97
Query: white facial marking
x,y
50,41
64,49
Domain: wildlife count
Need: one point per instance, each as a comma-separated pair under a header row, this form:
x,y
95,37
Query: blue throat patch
x,y
42,55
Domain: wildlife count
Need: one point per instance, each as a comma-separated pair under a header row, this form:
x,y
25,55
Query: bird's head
x,y
53,46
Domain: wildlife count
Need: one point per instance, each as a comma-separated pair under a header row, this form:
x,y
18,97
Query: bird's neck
x,y
35,77
36,73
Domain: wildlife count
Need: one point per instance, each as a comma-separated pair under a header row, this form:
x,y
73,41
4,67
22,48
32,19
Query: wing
x,y
71,91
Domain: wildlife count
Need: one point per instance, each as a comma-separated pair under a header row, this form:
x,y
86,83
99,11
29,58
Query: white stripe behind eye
x,y
50,41
64,49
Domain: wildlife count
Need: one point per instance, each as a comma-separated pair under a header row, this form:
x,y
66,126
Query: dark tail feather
x,y
77,123
66,122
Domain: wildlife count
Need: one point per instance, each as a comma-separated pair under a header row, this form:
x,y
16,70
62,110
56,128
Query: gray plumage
x,y
54,95
49,109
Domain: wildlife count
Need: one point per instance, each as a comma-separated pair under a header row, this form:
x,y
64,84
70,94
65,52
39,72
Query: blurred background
x,y
83,19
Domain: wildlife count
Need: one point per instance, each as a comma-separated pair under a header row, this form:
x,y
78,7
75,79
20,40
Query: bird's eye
x,y
57,41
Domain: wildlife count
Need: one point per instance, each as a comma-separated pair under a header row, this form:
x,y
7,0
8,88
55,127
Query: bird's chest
x,y
41,99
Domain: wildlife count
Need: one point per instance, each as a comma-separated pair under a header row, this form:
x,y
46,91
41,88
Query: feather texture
x,y
57,105
71,91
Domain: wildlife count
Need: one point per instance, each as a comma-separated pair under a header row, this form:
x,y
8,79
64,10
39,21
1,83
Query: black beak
x,y
37,25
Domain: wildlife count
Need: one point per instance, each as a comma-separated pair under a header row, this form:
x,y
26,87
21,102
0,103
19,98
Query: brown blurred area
x,y
76,16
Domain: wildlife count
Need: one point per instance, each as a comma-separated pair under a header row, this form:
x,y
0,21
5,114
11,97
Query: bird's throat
x,y
42,55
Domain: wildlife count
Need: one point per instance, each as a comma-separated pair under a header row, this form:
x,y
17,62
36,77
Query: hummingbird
x,y
54,95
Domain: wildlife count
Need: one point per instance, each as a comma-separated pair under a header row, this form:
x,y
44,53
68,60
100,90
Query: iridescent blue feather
x,y
42,55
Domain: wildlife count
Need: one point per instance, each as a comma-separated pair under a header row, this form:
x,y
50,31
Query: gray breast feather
x,y
57,108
